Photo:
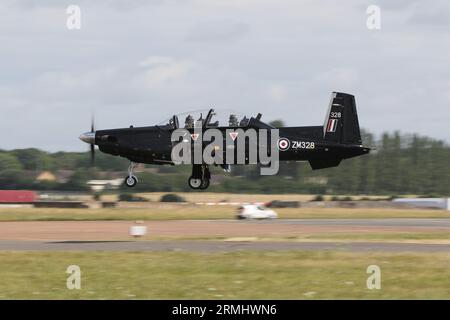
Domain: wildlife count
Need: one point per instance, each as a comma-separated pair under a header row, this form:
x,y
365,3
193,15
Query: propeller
x,y
89,137
92,145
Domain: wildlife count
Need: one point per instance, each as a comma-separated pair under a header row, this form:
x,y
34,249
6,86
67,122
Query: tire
x,y
131,181
205,184
194,183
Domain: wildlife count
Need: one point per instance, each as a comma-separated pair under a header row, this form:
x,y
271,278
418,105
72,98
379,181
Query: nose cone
x,y
88,137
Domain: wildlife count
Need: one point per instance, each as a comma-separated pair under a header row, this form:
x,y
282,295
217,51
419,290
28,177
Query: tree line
x,y
401,164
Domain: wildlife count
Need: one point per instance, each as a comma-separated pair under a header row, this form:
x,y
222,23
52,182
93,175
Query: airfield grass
x,y
194,197
225,275
199,212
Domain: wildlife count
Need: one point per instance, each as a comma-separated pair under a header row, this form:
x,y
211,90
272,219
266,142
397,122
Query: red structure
x,y
17,196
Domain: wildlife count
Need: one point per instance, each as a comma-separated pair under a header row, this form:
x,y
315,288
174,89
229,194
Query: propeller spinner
x,y
89,137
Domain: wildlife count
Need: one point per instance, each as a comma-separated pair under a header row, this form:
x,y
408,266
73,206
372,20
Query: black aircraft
x,y
322,146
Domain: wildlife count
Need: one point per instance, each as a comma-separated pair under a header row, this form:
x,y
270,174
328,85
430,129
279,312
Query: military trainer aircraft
x,y
322,146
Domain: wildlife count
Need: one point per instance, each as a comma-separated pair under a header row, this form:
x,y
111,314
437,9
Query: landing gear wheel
x,y
200,177
205,184
195,183
131,181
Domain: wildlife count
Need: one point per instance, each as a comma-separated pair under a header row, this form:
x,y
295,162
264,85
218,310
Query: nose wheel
x,y
131,180
199,180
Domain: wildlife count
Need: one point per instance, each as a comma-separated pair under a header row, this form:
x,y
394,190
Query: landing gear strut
x,y
131,180
200,177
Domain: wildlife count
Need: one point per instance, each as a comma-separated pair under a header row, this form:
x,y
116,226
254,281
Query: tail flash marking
x,y
332,125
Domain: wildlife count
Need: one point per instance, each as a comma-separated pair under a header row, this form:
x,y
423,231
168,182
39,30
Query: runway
x,y
113,235
215,246
390,222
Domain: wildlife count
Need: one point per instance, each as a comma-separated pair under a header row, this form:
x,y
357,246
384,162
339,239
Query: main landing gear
x,y
199,180
131,180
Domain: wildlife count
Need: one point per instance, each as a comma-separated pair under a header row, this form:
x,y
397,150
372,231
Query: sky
x,y
136,62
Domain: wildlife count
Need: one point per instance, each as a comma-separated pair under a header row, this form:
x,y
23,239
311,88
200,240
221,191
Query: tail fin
x,y
341,123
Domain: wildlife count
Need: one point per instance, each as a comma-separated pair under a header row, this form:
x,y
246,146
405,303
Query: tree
x,y
10,171
34,159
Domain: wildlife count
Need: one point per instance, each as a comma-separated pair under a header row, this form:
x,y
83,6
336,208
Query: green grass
x,y
164,213
183,212
234,275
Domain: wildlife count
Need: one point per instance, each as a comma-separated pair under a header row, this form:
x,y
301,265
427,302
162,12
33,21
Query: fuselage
x,y
153,145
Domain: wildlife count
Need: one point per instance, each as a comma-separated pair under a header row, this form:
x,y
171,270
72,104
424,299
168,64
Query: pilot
x,y
233,121
189,122
244,122
200,120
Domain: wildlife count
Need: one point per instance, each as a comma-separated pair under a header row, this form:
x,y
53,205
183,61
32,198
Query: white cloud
x,y
277,92
217,30
156,61
160,70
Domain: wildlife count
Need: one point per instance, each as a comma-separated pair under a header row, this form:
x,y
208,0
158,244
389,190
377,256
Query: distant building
x,y
100,185
317,180
17,196
46,176
438,203
63,176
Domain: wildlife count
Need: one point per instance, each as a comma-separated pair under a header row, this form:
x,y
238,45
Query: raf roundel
x,y
283,144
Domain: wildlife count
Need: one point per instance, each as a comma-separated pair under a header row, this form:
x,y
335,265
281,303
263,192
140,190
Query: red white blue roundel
x,y
283,144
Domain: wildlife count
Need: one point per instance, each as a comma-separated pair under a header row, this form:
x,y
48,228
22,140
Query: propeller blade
x,y
92,153
92,145
92,124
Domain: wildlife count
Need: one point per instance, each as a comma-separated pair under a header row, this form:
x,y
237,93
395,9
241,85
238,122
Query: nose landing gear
x,y
199,180
131,180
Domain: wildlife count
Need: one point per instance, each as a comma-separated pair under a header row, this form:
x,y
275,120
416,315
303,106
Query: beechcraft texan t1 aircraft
x,y
322,146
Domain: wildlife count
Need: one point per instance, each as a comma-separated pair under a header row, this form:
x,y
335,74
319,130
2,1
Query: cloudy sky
x,y
137,62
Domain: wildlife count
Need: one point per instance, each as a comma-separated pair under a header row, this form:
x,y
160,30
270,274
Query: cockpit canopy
x,y
212,119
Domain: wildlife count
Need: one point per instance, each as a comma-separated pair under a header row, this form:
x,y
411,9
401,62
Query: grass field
x,y
234,275
194,197
187,212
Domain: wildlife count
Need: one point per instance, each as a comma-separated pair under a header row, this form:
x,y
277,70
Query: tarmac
x,y
113,235
215,246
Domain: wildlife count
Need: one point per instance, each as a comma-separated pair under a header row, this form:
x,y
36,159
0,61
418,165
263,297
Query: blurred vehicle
x,y
253,211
